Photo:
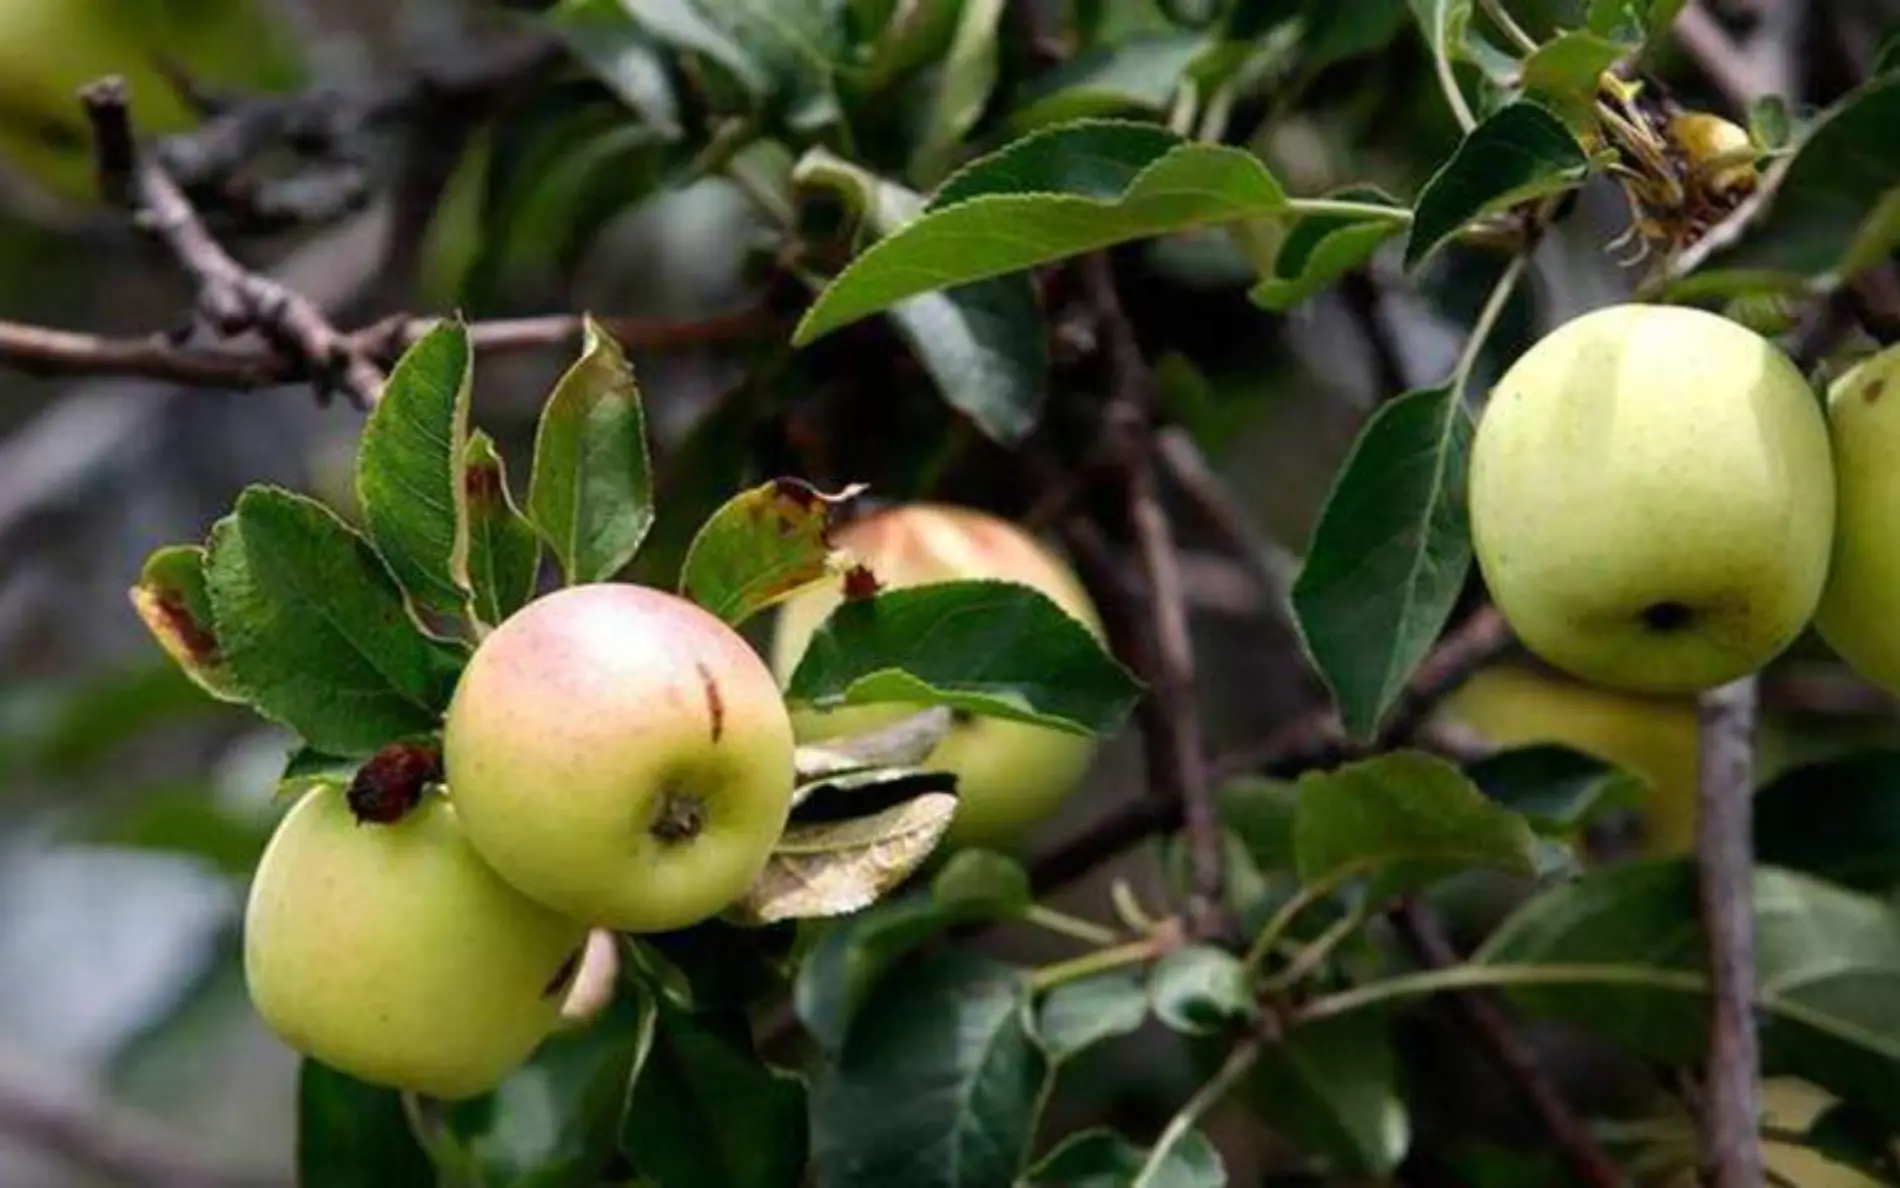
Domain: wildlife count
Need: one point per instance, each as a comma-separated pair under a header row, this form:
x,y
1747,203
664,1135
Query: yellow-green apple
x,y
1652,498
49,49
1857,616
621,755
1011,775
391,951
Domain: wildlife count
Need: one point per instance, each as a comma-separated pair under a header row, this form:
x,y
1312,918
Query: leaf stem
x,y
1487,321
1100,961
1063,924
1306,897
1312,955
1206,1098
1344,208
1507,25
1469,977
1448,82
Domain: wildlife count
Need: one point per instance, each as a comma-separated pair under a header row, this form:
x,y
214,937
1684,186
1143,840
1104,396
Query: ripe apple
x,y
1652,499
1652,737
392,952
621,755
1011,775
1856,616
51,48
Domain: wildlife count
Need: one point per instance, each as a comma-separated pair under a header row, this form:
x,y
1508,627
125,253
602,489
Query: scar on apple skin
x,y
564,975
1873,390
715,704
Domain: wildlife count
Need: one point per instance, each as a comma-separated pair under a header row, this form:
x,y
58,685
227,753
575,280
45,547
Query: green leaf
x,y
847,964
1558,790
990,647
1837,207
937,1084
1618,953
350,1133
1078,1015
706,1110
409,469
964,81
1631,20
1407,818
1260,812
982,883
307,769
1770,123
591,494
1389,554
1199,989
1517,153
315,629
1104,1159
1137,75
1563,74
764,545
1089,158
610,42
1838,819
170,599
504,552
1333,1088
1322,248
1194,185
832,868
984,344
555,1122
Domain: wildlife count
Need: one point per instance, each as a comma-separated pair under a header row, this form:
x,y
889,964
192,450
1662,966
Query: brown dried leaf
x,y
837,867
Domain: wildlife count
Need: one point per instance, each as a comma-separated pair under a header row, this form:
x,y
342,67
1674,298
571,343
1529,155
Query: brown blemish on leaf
x,y
715,704
392,781
1873,390
564,976
860,583
165,612
482,484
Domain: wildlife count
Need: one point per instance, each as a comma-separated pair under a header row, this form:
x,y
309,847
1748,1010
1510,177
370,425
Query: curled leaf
x,y
762,546
170,598
903,743
837,867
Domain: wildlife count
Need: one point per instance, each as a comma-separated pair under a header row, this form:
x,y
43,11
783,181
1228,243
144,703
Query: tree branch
x,y
231,299
1171,725
1731,1105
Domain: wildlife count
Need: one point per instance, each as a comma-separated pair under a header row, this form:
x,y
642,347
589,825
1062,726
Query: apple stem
x,y
681,818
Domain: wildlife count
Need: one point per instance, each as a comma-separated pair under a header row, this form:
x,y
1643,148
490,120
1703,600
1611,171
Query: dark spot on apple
x,y
391,782
682,817
1667,616
1873,390
960,716
715,705
564,976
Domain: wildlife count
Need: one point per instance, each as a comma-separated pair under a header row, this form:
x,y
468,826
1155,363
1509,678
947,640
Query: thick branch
x,y
40,350
1731,1149
231,298
1176,756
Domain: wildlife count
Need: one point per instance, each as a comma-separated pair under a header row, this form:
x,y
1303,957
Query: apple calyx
x,y
1667,616
681,818
392,782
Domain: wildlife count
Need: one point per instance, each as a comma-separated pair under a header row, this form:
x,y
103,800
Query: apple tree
x,y
1227,592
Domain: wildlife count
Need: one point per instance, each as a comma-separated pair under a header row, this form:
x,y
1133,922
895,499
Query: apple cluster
x,y
1661,504
614,759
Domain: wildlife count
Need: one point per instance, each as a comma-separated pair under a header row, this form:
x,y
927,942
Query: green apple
x,y
621,755
1857,617
1011,775
392,952
1652,499
49,49
1652,737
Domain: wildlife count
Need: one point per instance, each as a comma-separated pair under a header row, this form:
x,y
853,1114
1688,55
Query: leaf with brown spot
x,y
834,868
170,597
764,545
504,551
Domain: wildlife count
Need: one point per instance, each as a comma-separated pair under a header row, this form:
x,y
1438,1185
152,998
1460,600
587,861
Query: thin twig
x,y
42,350
1490,1025
1170,715
1239,1062
1731,1148
231,298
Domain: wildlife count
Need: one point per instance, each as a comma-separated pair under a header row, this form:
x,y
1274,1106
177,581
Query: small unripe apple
x,y
392,952
1011,775
621,755
1857,616
1652,499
